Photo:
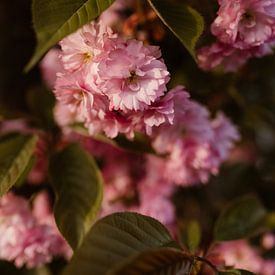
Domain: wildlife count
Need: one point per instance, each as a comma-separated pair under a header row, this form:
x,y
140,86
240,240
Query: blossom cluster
x,y
244,29
29,237
121,88
110,84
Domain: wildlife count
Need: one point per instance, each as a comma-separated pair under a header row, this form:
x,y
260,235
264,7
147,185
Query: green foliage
x,y
241,219
55,19
185,22
191,235
115,238
15,153
162,261
78,185
41,103
140,144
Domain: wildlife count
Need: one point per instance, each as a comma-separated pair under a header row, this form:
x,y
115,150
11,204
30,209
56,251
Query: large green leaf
x,y
15,154
115,238
55,19
78,185
241,219
185,22
162,261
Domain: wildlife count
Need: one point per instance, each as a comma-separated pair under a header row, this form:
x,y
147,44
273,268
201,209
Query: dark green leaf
x,y
140,144
78,185
162,261
115,238
185,22
15,154
41,103
55,19
241,219
191,235
25,173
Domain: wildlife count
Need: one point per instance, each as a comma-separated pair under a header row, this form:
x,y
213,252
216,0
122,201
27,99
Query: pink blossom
x,y
50,66
23,238
195,145
85,47
155,192
159,112
76,91
245,23
238,254
224,133
230,58
132,75
218,53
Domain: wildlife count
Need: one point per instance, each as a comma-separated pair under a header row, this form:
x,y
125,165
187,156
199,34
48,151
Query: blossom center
x,y
248,18
88,56
133,77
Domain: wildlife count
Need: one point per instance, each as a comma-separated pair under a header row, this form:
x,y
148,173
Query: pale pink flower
x,y
84,48
224,133
23,238
159,112
195,146
110,122
64,116
132,75
155,192
245,23
51,65
76,91
230,58
240,254
268,240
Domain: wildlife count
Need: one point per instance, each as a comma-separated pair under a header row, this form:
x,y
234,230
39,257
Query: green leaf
x,y
185,22
241,219
140,144
162,261
235,272
41,103
115,238
55,19
191,235
15,153
21,180
78,186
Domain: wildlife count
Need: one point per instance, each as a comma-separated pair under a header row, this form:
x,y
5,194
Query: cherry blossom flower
x,y
218,53
196,146
50,66
229,57
132,75
85,47
24,239
245,23
240,254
